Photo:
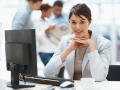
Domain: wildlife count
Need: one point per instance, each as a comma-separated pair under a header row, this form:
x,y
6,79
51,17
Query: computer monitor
x,y
20,55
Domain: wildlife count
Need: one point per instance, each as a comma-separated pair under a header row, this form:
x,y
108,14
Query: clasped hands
x,y
79,42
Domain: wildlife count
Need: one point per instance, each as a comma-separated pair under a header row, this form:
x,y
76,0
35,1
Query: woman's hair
x,y
45,7
81,9
34,1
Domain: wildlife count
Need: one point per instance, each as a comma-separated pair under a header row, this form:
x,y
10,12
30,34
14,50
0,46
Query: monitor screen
x,y
22,38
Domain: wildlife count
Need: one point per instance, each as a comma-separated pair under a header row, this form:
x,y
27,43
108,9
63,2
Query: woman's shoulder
x,y
102,42
100,38
41,23
37,20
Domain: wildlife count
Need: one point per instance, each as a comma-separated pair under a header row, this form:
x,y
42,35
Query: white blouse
x,y
43,42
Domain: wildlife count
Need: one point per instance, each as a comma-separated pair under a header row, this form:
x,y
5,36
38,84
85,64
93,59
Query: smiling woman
x,y
80,19
84,54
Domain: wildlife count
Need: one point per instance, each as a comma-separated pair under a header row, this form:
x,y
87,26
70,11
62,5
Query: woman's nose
x,y
78,26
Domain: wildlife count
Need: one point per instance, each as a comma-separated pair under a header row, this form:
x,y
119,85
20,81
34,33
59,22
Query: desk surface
x,y
37,87
105,85
76,83
42,86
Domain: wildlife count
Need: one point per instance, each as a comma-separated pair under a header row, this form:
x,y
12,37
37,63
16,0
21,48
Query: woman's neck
x,y
43,17
87,35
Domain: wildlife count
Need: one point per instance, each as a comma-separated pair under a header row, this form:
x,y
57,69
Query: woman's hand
x,y
82,42
77,43
49,28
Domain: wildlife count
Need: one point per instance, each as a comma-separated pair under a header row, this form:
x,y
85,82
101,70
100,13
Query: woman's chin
x,y
78,35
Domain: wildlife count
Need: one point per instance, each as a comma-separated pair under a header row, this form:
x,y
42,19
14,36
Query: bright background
x,y
105,21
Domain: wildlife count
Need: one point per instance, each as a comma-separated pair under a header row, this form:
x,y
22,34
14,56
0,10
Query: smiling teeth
x,y
78,31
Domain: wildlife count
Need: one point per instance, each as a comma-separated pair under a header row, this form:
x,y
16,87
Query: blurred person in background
x,y
45,47
22,18
58,16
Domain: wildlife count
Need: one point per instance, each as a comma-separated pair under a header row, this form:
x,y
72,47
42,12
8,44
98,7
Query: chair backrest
x,y
114,73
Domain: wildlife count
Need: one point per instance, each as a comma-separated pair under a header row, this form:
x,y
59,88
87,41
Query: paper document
x,y
59,31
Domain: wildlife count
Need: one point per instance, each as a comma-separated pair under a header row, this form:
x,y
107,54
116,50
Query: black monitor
x,y
20,55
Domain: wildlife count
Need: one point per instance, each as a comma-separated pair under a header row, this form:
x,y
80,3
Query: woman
x,y
42,27
84,54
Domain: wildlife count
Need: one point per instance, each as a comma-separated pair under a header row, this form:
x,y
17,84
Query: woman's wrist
x,y
92,45
91,42
65,53
69,49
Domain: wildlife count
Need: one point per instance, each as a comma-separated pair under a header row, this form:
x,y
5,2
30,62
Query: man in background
x,y
22,18
58,16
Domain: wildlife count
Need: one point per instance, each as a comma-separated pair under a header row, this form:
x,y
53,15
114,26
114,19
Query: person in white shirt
x,y
45,47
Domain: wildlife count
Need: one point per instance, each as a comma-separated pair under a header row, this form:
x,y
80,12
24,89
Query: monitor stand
x,y
15,84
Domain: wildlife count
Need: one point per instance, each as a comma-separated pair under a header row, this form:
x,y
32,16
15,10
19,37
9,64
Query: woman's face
x,y
48,13
79,26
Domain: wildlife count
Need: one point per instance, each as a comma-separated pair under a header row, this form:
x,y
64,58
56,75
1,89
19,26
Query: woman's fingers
x,y
79,41
79,38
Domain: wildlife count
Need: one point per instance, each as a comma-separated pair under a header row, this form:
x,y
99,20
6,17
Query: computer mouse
x,y
67,84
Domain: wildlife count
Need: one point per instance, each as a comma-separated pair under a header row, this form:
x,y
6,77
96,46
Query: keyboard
x,y
45,80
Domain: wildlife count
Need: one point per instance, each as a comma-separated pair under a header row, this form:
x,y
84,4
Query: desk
x,y
76,83
105,85
37,87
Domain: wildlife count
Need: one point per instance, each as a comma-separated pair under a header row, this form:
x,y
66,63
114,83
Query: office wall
x,y
105,15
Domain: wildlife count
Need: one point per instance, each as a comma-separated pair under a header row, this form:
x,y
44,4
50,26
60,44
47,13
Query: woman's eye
x,y
82,22
73,22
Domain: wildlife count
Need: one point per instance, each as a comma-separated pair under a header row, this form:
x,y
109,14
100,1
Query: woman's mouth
x,y
78,32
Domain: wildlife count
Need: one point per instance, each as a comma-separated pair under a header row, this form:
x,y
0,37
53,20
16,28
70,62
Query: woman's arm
x,y
58,59
99,61
65,53
55,63
73,45
92,46
49,28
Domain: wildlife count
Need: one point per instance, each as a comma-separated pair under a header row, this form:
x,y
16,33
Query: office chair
x,y
114,73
